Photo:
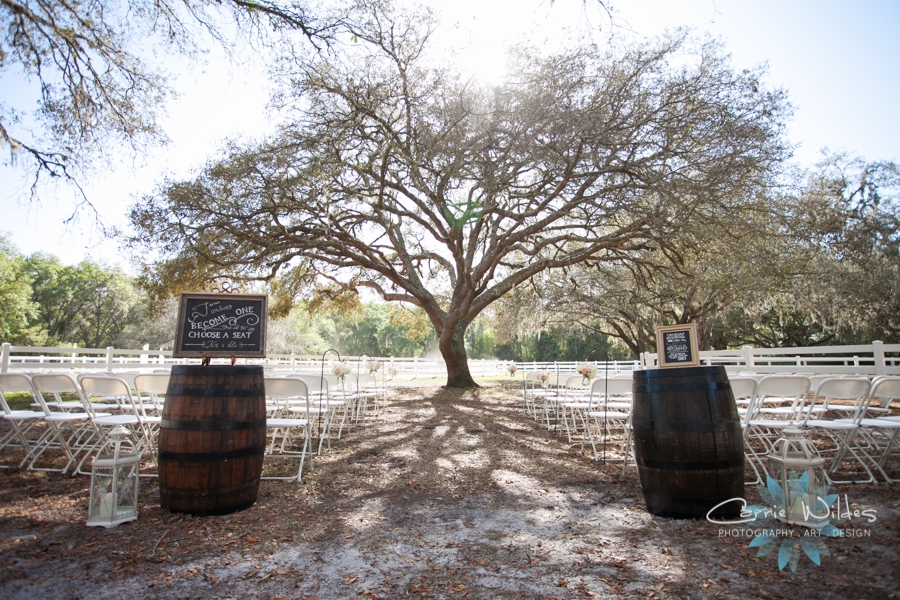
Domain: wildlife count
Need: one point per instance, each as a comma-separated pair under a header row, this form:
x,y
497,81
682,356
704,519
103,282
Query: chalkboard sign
x,y
221,325
677,345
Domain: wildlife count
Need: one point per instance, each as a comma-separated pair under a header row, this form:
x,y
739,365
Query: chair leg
x,y
844,445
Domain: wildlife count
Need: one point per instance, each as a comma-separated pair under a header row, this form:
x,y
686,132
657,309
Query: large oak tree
x,y
398,174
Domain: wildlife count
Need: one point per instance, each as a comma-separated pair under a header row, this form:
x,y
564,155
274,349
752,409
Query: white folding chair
x,y
134,419
368,395
319,412
151,392
781,398
339,399
534,392
74,432
882,434
610,411
574,404
880,403
743,389
837,437
293,395
22,423
832,396
552,402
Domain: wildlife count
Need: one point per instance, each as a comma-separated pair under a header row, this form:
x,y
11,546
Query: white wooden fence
x,y
876,358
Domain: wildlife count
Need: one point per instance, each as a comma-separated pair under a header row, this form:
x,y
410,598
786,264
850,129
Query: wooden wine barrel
x,y
687,442
212,439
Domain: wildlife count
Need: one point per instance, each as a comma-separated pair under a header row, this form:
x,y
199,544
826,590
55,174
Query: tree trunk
x,y
453,349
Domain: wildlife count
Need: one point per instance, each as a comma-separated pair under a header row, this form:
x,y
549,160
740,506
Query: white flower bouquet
x,y
373,366
587,371
543,378
393,371
341,370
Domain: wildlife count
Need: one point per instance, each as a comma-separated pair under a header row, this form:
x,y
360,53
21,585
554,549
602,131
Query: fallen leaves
x,y
346,521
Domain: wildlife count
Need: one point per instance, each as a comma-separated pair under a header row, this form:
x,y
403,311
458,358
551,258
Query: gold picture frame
x,y
676,346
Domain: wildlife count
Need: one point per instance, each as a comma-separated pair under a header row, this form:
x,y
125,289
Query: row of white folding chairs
x,y
75,427
78,433
849,419
314,404
541,398
587,410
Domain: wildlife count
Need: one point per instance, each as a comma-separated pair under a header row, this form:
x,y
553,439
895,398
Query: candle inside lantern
x,y
108,507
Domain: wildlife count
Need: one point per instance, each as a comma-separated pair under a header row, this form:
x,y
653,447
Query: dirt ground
x,y
448,495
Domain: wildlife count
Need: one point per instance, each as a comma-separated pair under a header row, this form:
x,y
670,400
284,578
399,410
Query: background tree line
x,y
93,305
821,266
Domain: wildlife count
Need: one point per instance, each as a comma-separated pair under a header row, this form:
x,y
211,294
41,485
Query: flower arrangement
x,y
587,371
393,371
512,370
543,378
341,370
373,366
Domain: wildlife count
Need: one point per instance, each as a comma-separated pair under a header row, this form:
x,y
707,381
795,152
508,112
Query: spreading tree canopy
x,y
398,174
705,269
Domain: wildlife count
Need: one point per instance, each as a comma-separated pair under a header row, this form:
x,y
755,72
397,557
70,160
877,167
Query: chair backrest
x,y
791,388
816,380
365,380
97,385
155,384
56,384
286,387
609,388
884,391
783,386
108,387
842,388
127,377
532,382
314,383
613,387
559,379
834,388
13,383
743,387
577,382
81,376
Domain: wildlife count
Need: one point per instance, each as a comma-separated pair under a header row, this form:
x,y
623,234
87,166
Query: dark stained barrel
x,y
212,439
687,442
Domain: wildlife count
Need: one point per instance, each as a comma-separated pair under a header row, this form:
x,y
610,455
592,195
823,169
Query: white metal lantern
x,y
799,470
115,475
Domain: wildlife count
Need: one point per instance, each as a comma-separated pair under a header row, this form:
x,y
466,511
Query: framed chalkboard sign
x,y
221,325
677,346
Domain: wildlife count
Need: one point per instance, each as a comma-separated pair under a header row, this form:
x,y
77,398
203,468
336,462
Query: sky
x,y
838,62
